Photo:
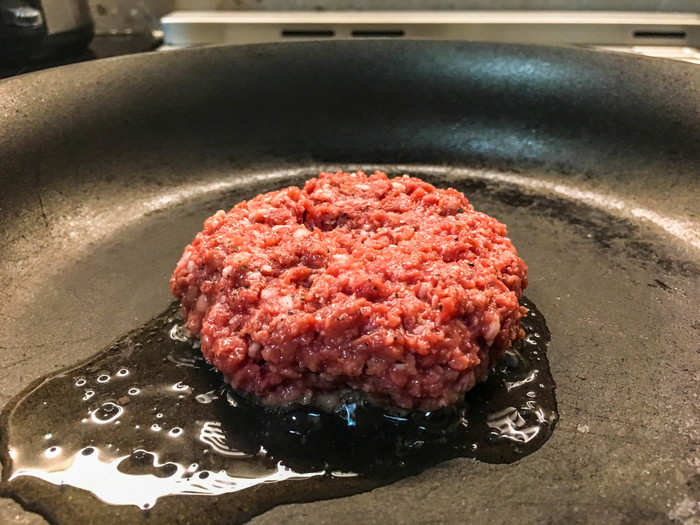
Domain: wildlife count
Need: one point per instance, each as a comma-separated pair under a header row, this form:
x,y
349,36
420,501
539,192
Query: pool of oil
x,y
147,431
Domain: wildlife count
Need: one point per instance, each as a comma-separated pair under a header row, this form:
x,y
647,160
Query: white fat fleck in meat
x,y
254,349
398,186
363,187
227,271
340,257
286,302
322,195
268,293
190,266
254,277
491,329
301,233
241,258
261,213
202,303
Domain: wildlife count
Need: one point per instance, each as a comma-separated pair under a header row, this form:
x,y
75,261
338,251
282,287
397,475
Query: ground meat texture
x,y
388,286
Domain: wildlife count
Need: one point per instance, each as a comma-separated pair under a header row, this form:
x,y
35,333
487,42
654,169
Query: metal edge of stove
x,y
599,28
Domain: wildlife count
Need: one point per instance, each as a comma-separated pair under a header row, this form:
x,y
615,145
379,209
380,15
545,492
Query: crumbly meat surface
x,y
388,286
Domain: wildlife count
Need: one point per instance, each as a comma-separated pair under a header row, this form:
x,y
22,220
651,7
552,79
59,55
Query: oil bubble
x,y
106,413
52,452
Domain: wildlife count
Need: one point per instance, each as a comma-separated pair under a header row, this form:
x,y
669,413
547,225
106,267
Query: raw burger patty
x,y
386,286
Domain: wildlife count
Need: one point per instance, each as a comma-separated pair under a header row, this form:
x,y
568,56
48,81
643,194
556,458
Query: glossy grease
x,y
147,429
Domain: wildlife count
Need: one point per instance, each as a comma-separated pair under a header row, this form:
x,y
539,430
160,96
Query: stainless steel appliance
x,y
670,35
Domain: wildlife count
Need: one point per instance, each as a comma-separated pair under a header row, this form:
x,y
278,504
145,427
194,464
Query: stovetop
x,y
673,36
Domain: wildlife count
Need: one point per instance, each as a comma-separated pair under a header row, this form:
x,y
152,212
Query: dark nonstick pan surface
x,y
108,168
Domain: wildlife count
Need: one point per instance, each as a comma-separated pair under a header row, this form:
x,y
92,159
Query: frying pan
x,y
108,168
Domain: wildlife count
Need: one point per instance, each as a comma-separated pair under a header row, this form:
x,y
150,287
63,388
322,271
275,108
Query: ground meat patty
x,y
387,286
